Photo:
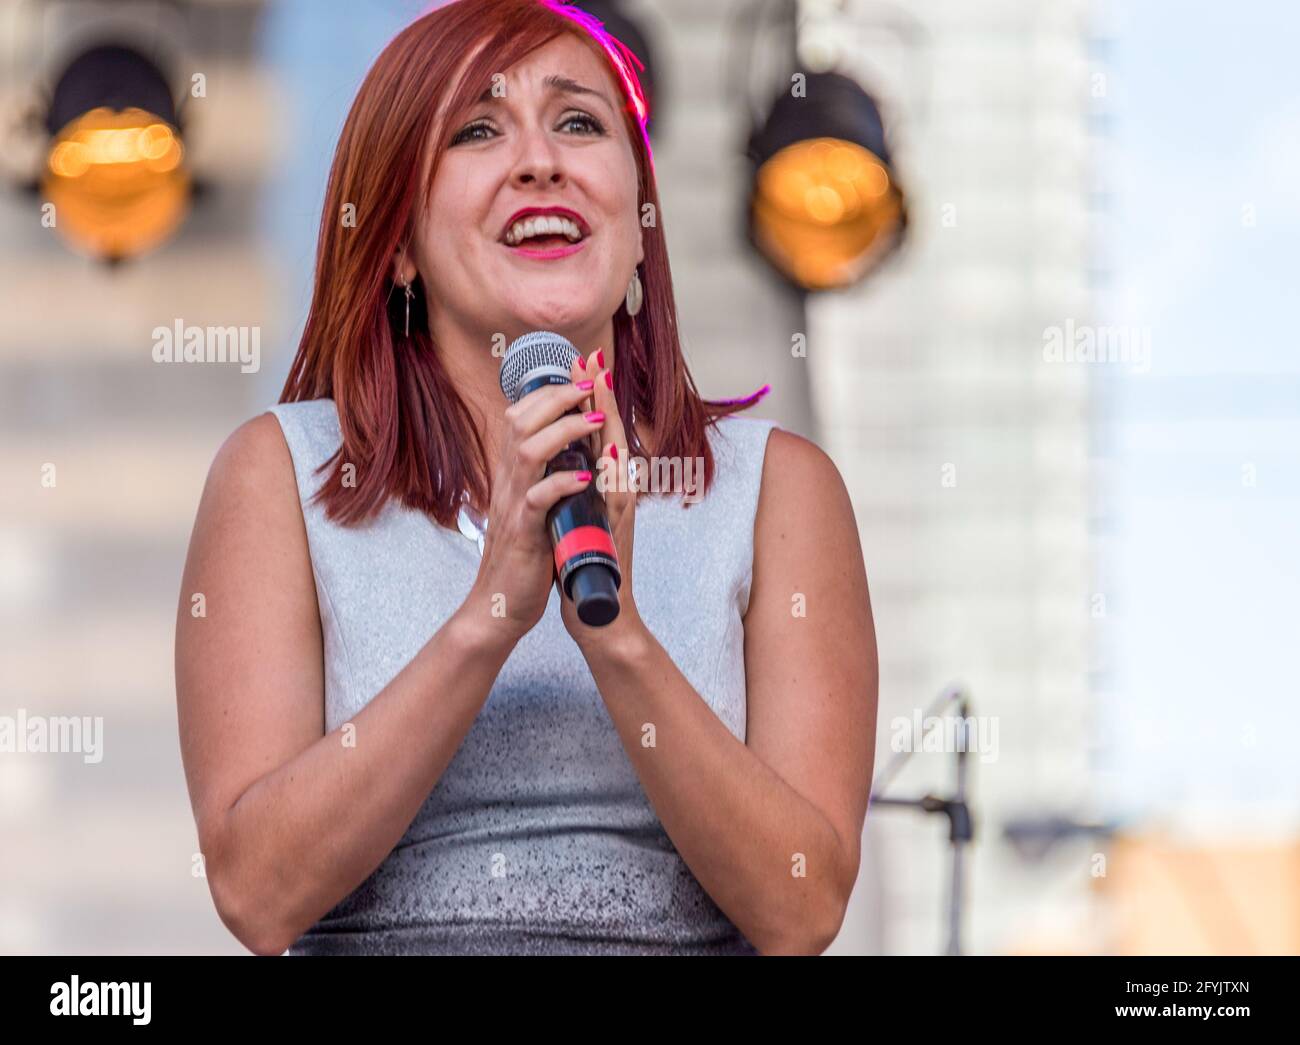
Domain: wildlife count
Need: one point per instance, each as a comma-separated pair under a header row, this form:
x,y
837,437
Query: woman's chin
x,y
561,313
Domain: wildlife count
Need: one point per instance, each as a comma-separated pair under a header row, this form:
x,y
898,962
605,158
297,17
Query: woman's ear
x,y
403,268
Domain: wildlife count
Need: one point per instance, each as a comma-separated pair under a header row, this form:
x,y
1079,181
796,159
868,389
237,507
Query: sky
x,y
1202,567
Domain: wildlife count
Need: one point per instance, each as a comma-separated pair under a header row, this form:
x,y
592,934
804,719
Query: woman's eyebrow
x,y
560,84
567,86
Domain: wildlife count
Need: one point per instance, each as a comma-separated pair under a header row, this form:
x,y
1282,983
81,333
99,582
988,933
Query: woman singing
x,y
398,735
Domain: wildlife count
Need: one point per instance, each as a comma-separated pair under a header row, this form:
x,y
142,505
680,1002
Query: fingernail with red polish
x,y
600,358
609,379
583,477
613,451
595,416
582,362
587,385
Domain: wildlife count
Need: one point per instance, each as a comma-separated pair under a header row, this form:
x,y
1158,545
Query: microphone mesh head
x,y
534,354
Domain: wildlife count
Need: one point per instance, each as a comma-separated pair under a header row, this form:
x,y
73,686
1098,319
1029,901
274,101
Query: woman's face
x,y
532,221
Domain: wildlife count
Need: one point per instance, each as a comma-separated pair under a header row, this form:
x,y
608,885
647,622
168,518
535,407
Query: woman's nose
x,y
539,161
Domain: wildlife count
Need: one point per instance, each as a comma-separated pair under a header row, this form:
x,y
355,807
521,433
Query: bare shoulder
x,y
805,534
800,483
254,460
789,455
249,531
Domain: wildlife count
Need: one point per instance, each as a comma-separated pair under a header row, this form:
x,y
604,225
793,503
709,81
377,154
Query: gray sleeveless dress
x,y
538,838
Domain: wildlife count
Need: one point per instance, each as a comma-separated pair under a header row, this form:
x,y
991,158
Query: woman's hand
x,y
609,448
518,566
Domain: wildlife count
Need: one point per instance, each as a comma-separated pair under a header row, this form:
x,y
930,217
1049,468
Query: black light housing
x,y
825,207
112,75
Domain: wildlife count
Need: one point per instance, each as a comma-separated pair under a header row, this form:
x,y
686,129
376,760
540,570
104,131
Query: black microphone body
x,y
586,561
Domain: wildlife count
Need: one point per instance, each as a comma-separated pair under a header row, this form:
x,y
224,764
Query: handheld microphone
x,y
586,561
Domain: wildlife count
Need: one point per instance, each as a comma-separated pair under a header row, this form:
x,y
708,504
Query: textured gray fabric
x,y
538,838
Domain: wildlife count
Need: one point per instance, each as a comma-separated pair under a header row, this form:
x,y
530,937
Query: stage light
x,y
629,32
115,168
825,206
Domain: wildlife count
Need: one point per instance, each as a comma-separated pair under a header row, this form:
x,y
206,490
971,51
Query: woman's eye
x,y
469,133
589,124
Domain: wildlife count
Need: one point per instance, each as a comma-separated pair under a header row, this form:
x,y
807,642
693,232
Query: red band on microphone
x,y
584,539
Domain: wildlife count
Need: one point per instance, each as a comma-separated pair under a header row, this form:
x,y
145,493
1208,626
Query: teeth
x,y
543,225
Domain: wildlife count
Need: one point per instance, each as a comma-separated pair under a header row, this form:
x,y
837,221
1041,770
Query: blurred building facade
x,y
967,454
101,858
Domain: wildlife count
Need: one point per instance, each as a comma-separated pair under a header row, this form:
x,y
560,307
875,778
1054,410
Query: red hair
x,y
404,425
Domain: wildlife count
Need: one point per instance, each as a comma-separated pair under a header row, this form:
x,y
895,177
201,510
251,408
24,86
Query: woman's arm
x,y
772,827
291,820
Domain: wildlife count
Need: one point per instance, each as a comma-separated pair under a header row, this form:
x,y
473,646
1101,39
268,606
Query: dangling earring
x,y
635,295
409,294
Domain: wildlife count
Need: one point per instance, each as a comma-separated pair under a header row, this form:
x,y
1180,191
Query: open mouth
x,y
547,228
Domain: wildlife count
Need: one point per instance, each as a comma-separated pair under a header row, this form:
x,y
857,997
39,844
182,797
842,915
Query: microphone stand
x,y
961,826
